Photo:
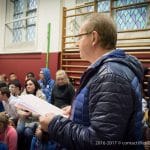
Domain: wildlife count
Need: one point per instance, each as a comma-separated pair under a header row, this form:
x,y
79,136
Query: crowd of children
x,y
19,129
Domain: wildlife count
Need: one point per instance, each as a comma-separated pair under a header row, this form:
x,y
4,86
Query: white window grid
x,y
21,26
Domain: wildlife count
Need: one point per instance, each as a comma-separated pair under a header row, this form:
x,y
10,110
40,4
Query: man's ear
x,y
95,39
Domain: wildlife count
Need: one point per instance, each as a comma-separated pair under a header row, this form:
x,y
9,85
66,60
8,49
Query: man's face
x,y
28,76
12,77
41,75
84,43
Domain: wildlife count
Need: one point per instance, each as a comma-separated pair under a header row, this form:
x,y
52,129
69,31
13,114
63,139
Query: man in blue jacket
x,y
107,111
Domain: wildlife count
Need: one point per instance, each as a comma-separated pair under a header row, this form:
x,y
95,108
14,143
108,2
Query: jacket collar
x,y
118,53
89,73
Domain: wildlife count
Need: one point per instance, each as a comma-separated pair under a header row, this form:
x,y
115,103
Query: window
x,y
128,15
104,6
20,23
132,20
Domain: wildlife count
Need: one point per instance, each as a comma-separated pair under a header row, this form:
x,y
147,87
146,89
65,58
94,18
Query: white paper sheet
x,y
34,104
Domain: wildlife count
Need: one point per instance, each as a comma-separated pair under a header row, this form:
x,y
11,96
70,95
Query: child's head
x,y
4,121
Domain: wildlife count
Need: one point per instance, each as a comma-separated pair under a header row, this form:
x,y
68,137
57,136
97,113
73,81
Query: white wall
x,y
50,11
2,20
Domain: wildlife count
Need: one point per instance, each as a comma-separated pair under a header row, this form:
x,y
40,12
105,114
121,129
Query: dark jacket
x,y
107,110
62,95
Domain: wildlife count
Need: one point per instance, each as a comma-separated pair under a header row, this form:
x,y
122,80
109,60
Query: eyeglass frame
x,y
80,35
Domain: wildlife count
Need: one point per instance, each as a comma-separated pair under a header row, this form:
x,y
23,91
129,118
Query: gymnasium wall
x,y
20,64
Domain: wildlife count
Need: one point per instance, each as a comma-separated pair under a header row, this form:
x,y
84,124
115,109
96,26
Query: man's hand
x,y
38,132
67,111
27,113
45,120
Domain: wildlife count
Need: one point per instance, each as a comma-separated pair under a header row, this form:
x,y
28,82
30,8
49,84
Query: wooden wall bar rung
x,y
81,6
145,60
135,30
69,42
78,72
70,54
145,90
74,66
144,44
146,97
79,60
74,77
69,36
79,14
133,38
148,75
70,48
135,52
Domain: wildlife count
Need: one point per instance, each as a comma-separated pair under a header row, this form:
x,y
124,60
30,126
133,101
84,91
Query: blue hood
x,y
120,56
47,74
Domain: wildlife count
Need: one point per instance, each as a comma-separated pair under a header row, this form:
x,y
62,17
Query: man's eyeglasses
x,y
79,36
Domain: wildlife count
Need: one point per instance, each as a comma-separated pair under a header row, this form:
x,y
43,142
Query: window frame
x,y
23,45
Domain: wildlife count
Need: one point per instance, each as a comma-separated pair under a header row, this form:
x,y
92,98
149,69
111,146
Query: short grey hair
x,y
105,27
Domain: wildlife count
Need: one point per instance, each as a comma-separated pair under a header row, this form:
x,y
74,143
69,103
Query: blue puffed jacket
x,y
107,109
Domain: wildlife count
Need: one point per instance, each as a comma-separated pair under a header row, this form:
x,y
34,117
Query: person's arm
x,y
110,106
12,139
51,86
67,110
23,114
